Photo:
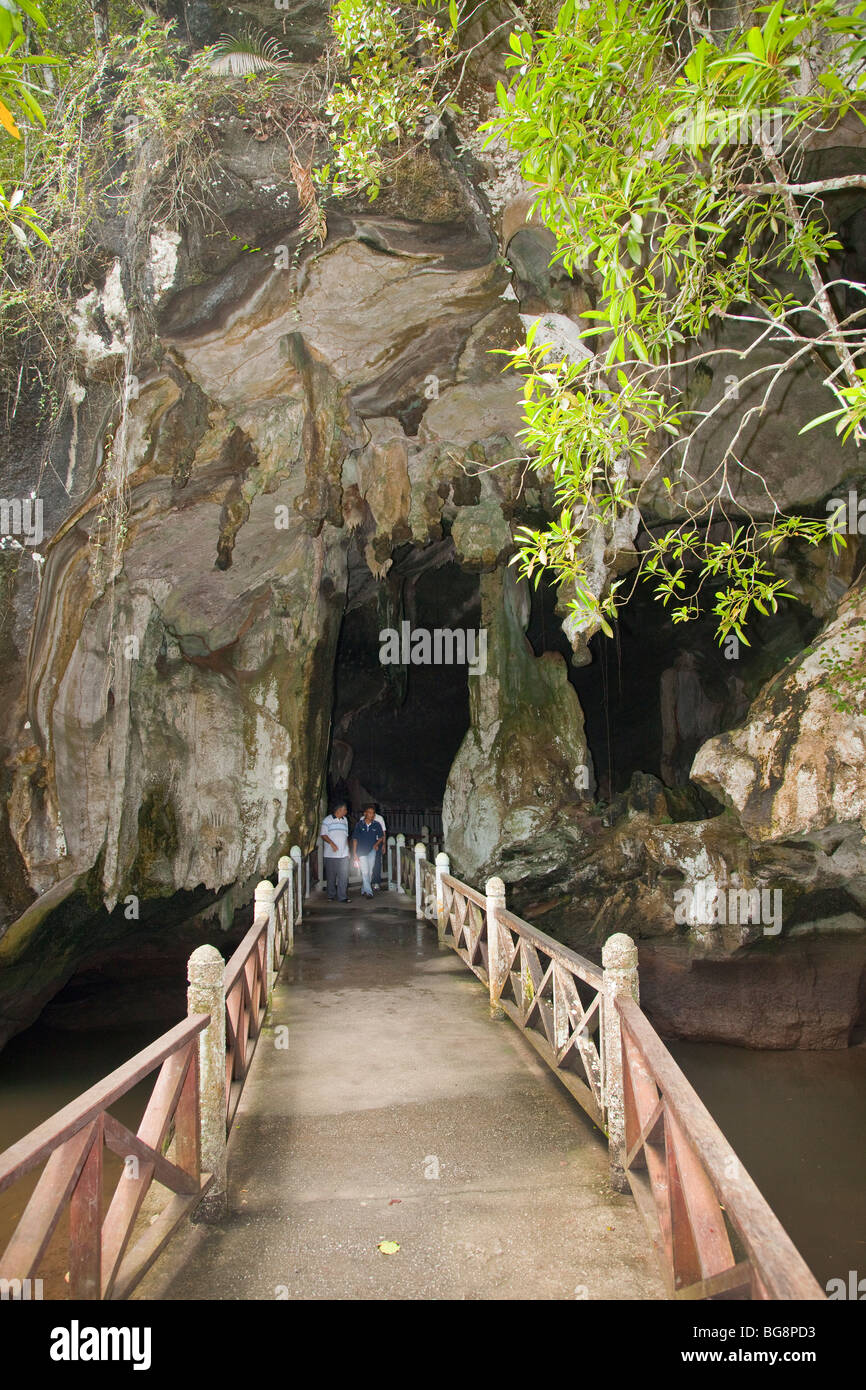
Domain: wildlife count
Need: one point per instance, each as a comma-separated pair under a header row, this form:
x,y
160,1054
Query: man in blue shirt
x,y
367,837
377,868
335,835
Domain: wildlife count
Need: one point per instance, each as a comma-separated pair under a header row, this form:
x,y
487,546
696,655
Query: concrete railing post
x,y
401,842
496,963
619,958
207,995
391,845
307,863
420,856
284,875
443,866
265,892
321,863
295,852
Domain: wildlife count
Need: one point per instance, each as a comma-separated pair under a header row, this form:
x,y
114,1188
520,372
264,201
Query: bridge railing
x,y
552,994
714,1233
414,824
71,1145
236,996
180,1143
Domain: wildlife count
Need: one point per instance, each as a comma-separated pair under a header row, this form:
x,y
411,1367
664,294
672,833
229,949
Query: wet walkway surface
x,y
385,1105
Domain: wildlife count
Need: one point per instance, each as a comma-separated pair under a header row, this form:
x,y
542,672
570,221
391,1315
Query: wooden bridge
x,y
347,1112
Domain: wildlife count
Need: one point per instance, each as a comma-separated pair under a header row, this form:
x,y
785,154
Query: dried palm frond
x,y
247,53
313,225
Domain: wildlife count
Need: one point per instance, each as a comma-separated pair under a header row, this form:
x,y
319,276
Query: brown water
x,y
797,1120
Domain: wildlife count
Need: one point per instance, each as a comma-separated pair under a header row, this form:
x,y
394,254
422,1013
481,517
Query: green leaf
x,y
33,12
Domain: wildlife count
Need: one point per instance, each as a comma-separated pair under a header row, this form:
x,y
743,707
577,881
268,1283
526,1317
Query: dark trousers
x,y
337,877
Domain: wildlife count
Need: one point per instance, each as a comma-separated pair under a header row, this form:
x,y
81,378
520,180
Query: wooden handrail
x,y
35,1146
541,998
471,893
101,1262
563,955
576,964
632,1087
241,955
780,1268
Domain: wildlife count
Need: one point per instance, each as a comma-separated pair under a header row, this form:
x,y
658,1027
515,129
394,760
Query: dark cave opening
x,y
397,725
656,691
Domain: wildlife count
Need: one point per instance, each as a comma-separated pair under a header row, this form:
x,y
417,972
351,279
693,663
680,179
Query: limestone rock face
x,y
523,767
309,428
798,763
169,731
179,700
177,706
810,996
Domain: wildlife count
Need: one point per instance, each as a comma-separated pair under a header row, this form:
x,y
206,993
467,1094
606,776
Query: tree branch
x,y
804,189
822,298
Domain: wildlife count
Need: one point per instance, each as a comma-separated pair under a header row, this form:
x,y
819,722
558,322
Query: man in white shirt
x,y
335,836
377,867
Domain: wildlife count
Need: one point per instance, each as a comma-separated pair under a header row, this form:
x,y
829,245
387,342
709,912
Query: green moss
x,y
158,841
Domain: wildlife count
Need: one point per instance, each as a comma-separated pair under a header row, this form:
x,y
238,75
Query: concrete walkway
x,y
399,1111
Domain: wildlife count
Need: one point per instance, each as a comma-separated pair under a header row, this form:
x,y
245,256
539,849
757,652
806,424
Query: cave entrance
x,y
658,690
397,725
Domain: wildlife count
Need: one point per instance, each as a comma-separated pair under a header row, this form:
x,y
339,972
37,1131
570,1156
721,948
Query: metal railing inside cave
x,y
715,1235
421,825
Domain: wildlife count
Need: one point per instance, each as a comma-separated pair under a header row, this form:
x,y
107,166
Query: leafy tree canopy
x,y
666,158
669,158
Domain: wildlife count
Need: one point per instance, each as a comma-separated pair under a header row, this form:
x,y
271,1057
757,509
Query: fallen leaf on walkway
x,y
395,1201
388,1247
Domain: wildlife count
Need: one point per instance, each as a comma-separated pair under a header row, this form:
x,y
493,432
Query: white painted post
x,y
207,995
391,844
619,958
284,875
443,866
420,856
321,865
265,892
295,852
401,841
496,965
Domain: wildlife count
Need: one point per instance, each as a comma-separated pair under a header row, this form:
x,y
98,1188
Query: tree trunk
x,y
100,21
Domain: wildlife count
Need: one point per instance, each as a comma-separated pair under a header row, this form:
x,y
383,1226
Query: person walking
x,y
366,839
335,834
377,867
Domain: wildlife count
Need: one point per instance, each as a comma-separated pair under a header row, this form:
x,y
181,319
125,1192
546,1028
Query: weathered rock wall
x,y
169,695
167,699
